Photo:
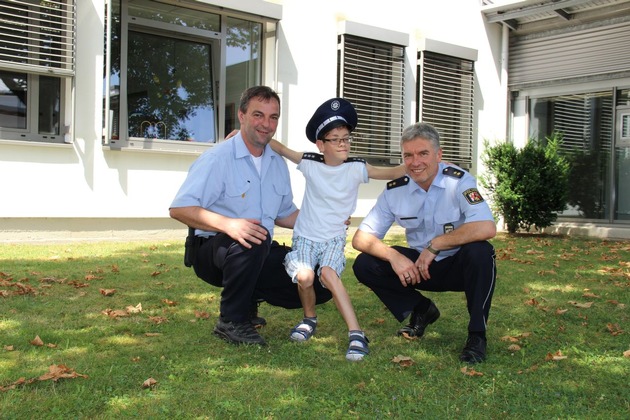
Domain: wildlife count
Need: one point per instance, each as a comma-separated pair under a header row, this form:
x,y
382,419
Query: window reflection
x,y
170,93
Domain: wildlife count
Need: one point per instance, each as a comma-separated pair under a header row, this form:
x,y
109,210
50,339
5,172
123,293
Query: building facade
x,y
104,104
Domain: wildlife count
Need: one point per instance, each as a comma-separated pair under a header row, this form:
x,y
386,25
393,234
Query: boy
x,y
332,186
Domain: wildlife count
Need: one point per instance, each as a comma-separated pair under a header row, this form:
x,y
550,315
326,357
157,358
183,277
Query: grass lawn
x,y
120,330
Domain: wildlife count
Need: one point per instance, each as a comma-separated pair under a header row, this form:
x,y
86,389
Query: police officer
x,y
233,195
447,225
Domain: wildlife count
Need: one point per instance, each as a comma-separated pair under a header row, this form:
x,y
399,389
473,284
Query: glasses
x,y
337,142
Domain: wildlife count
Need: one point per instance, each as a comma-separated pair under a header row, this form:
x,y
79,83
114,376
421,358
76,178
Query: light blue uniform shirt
x,y
452,200
224,180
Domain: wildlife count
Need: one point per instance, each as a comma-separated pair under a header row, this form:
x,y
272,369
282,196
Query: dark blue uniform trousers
x,y
249,275
472,271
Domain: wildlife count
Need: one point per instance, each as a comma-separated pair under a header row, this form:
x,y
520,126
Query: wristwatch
x,y
432,250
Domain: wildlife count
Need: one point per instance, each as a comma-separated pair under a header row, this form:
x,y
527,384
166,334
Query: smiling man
x,y
233,196
447,226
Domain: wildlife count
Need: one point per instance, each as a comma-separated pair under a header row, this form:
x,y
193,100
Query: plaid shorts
x,y
307,254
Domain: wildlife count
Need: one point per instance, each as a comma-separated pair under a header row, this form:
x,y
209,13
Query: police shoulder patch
x,y
473,196
313,156
354,159
454,172
398,182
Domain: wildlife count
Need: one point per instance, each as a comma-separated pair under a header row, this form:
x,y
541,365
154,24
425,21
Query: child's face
x,y
332,151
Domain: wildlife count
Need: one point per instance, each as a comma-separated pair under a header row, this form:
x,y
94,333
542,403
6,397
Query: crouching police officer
x,y
447,225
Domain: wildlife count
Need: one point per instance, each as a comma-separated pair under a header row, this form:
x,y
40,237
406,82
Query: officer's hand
x,y
246,231
406,270
423,262
232,134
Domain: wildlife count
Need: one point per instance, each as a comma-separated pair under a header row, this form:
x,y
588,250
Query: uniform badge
x,y
473,196
448,228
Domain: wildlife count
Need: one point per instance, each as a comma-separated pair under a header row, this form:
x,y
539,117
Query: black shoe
x,y
258,321
419,321
238,332
474,350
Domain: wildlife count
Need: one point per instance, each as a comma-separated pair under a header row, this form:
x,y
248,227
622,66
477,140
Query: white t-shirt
x,y
330,196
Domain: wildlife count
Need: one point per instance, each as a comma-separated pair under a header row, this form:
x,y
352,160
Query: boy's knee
x,y
305,279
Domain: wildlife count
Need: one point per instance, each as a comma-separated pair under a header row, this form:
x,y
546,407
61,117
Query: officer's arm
x,y
465,234
385,172
370,244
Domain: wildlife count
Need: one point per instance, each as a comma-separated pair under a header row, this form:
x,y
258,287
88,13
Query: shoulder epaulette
x,y
354,159
398,182
313,156
454,172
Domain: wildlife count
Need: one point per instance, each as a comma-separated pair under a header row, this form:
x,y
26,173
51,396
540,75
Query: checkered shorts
x,y
307,254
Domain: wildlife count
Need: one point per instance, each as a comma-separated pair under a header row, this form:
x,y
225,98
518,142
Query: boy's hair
x,y
330,127
263,93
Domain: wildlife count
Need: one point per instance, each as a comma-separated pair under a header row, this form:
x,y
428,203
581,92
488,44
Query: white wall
x,y
88,181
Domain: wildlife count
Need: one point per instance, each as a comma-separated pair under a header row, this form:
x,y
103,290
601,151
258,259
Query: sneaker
x,y
238,332
474,350
258,321
419,321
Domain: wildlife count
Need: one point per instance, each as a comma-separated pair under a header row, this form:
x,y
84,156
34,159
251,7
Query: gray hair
x,y
421,130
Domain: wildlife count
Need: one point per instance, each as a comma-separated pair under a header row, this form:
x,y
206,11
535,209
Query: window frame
x,y
38,60
218,42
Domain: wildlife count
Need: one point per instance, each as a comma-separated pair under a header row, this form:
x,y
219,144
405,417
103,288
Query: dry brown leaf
x,y
584,305
158,319
115,313
134,309
202,315
470,371
509,338
149,383
108,292
560,311
555,356
590,295
514,347
152,334
614,329
403,361
37,341
56,372
626,353
531,302
409,337
8,348
169,302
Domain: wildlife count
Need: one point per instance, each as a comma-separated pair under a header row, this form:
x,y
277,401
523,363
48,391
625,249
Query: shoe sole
x,y
225,336
406,330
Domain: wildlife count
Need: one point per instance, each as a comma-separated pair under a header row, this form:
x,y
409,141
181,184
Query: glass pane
x,y
585,122
49,103
113,131
170,89
13,99
622,180
176,15
244,67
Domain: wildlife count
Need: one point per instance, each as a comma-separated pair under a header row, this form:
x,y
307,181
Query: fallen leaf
x,y
614,329
590,295
202,315
107,292
37,341
470,371
134,309
409,337
560,311
556,356
152,334
158,319
8,348
403,361
584,305
514,347
56,372
169,302
149,383
626,353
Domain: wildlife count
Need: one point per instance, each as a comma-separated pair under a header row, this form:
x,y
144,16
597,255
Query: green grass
x,y
543,283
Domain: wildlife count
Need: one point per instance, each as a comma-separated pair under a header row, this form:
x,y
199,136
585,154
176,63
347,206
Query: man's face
x,y
259,123
421,161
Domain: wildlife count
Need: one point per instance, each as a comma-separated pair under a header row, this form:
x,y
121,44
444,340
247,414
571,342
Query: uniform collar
x,y
241,151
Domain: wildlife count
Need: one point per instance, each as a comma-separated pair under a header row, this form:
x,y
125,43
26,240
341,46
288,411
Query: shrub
x,y
528,187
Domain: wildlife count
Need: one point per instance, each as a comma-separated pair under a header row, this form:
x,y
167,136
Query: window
x,y
445,100
36,69
176,82
371,77
585,122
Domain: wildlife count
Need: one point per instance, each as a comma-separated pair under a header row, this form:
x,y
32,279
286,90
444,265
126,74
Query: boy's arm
x,y
284,151
385,172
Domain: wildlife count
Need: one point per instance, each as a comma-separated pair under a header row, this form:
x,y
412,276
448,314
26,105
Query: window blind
x,y
37,36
